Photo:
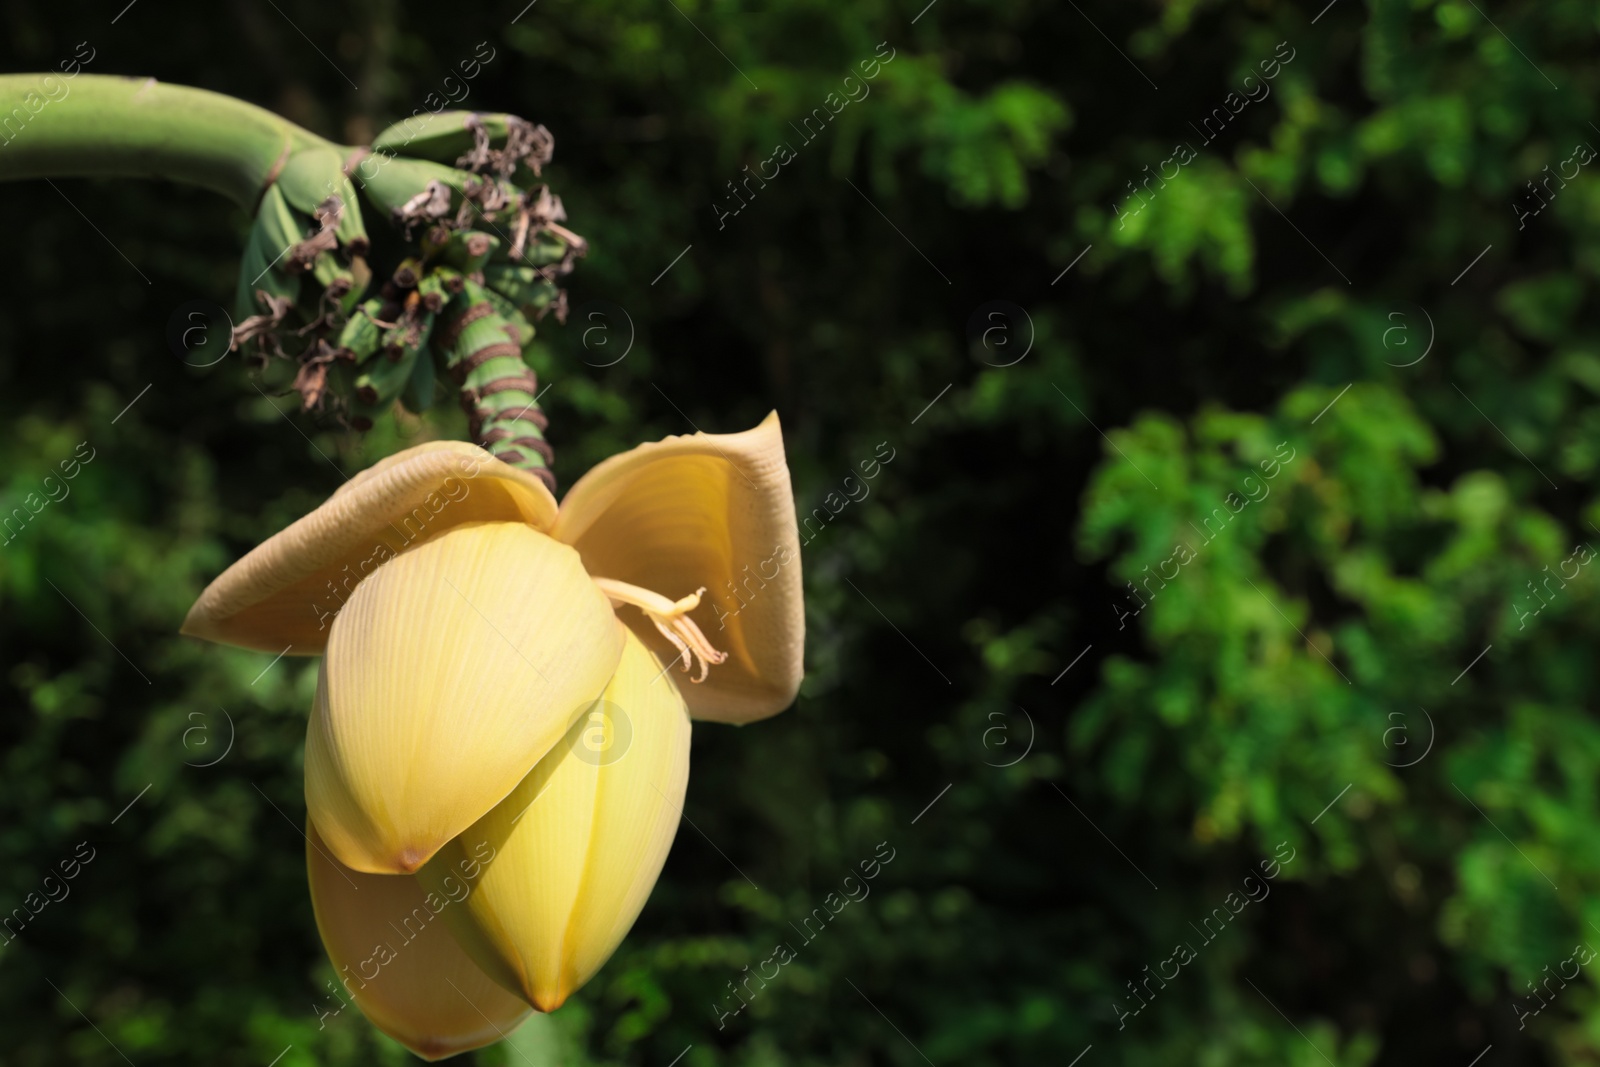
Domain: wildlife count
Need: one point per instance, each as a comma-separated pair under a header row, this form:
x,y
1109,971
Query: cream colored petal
x,y
713,510
449,674
396,958
286,592
571,855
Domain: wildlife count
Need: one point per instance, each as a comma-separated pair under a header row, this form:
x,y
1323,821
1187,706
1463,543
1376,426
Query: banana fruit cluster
x,y
482,245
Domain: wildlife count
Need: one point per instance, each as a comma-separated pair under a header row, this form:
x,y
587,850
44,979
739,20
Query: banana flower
x,y
475,637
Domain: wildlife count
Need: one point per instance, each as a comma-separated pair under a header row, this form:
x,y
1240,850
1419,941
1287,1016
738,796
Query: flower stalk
x,y
116,127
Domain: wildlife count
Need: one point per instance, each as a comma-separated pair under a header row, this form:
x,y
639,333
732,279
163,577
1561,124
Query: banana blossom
x,y
477,639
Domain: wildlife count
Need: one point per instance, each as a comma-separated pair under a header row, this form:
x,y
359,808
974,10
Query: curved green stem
x,y
102,125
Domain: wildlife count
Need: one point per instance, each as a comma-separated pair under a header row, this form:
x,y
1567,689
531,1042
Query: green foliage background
x,y
1264,696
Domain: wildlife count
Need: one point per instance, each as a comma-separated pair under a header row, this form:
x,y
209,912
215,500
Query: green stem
x,y
499,391
107,126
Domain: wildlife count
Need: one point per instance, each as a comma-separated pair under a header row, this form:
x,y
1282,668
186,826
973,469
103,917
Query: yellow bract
x,y
393,954
448,674
283,596
712,510
579,843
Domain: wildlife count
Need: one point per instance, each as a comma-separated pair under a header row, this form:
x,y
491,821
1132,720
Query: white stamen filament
x,y
671,618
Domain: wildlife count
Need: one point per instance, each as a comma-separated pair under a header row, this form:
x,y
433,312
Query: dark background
x,y
1301,681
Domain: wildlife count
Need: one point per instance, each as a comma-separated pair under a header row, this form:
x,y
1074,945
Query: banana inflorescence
x,y
487,246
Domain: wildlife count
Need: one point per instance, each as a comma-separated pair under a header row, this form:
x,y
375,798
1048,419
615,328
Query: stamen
x,y
671,618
